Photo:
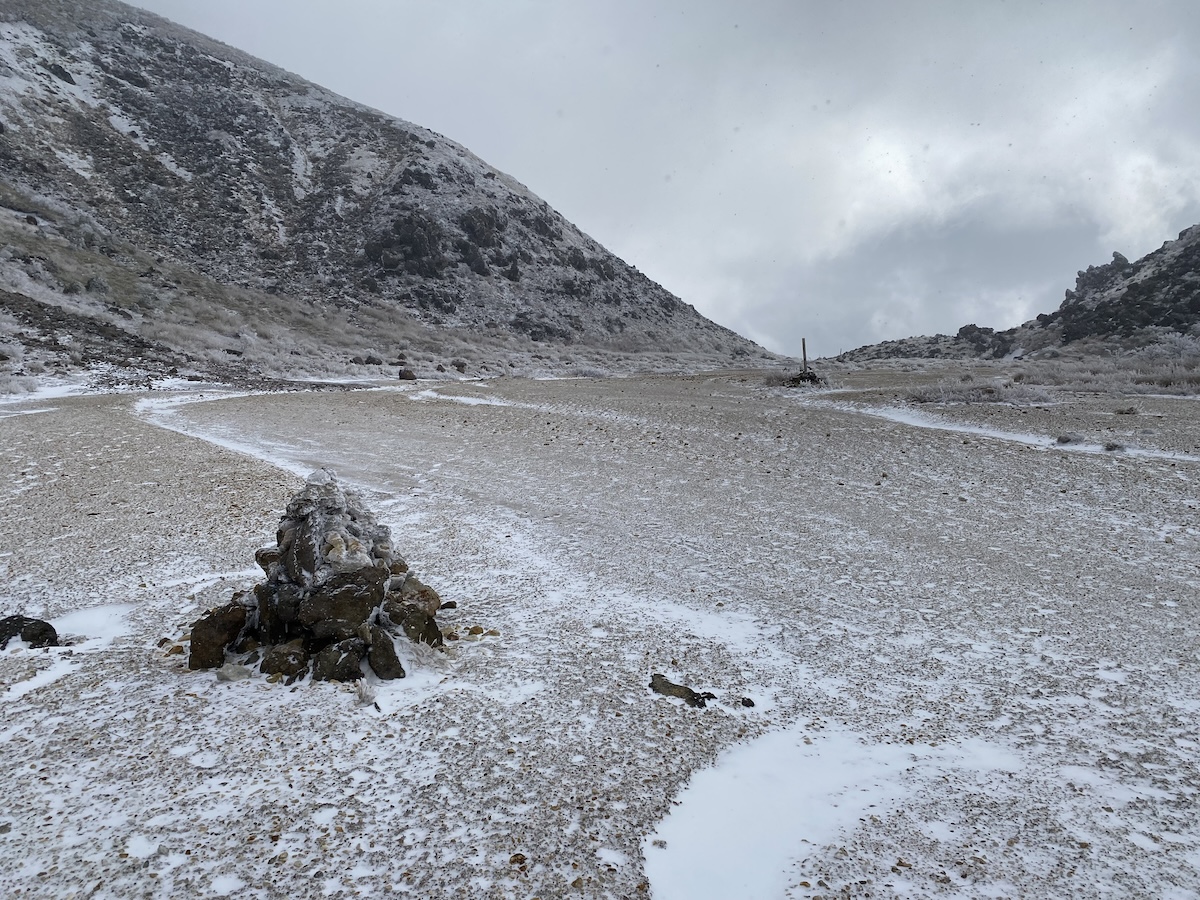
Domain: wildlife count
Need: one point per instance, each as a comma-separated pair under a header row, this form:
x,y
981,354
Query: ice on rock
x,y
328,530
334,588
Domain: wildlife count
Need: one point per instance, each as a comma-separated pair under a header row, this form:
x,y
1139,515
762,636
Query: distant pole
x,y
804,352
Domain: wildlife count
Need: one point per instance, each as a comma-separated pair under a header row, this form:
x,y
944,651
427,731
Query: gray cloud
x,y
847,171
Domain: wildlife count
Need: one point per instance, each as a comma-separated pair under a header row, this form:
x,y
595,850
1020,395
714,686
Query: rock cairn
x,y
336,593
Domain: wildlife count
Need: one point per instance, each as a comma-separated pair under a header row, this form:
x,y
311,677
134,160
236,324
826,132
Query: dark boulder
x,y
418,625
288,660
267,557
34,632
278,611
408,375
60,73
339,662
413,592
381,655
212,632
336,608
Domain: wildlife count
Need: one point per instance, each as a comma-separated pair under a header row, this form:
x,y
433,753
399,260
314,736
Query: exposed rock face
x,y
1115,301
1160,290
334,587
34,632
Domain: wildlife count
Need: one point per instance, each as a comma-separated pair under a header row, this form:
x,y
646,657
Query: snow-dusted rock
x,y
213,632
33,632
334,584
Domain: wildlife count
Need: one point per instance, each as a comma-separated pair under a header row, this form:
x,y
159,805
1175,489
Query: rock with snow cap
x,y
334,587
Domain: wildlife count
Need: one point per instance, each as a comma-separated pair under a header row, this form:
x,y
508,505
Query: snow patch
x,y
778,795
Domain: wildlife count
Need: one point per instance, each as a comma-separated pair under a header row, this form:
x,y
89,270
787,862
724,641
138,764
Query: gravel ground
x,y
1018,618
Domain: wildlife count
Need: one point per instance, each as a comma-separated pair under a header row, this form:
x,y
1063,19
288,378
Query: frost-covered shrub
x,y
11,354
958,391
17,384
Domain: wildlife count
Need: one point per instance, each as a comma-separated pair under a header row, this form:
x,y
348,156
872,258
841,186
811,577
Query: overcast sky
x,y
845,171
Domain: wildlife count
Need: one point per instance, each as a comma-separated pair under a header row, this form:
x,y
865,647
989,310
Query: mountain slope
x,y
204,183
1119,303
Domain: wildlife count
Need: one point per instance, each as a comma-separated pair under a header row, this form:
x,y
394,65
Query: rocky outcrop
x,y
335,595
1116,302
34,632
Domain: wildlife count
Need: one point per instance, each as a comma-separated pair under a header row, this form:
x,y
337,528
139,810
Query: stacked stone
x,y
336,592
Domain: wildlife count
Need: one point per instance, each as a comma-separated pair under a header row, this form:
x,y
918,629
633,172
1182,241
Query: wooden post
x,y
804,352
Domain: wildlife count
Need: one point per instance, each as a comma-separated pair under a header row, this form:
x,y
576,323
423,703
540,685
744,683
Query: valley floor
x,y
971,650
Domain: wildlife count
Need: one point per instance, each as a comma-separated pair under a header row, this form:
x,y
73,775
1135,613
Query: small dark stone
x,y
60,73
746,701
34,632
31,220
246,644
373,360
408,375
449,604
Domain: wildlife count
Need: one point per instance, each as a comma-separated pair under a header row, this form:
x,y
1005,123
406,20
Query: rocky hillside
x,y
1117,304
229,213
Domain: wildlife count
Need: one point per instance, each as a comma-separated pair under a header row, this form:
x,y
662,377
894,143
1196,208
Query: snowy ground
x,y
972,651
